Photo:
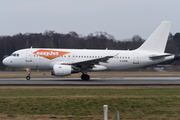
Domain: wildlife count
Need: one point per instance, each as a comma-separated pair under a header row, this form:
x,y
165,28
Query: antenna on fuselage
x,y
31,47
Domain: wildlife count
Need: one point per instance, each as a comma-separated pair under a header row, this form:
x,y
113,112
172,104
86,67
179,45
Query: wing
x,y
92,61
88,64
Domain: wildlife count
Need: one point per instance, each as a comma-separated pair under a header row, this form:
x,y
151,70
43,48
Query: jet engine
x,y
61,70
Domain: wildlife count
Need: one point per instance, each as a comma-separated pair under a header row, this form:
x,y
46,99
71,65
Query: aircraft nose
x,y
5,62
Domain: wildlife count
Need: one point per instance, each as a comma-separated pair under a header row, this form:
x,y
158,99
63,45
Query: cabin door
x,y
136,58
28,56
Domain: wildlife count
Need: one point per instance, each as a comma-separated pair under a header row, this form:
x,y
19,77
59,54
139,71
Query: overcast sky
x,y
121,18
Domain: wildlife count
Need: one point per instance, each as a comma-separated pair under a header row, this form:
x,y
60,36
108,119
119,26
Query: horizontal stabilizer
x,y
159,56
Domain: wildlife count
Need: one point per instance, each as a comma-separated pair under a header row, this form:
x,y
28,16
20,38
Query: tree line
x,y
98,40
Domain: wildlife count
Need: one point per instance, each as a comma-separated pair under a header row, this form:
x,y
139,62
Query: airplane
x,y
64,62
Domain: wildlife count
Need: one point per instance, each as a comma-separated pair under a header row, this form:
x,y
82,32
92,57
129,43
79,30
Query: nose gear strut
x,y
29,73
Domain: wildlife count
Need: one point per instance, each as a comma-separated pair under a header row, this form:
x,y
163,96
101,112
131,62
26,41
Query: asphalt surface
x,y
123,81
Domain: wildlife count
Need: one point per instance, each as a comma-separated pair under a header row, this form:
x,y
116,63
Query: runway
x,y
122,81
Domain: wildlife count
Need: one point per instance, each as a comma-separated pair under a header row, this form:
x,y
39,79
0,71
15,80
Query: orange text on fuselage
x,y
50,54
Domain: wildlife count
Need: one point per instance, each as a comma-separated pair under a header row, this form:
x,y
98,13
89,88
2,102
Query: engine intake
x,y
61,70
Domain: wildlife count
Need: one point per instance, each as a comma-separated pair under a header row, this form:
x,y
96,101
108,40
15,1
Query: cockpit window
x,y
15,54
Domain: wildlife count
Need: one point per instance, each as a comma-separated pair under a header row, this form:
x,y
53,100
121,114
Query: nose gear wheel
x,y
29,73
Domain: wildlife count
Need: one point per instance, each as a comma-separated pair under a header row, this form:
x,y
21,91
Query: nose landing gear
x,y
28,77
29,73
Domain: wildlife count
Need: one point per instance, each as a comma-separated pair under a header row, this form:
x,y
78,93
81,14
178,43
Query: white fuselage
x,y
46,58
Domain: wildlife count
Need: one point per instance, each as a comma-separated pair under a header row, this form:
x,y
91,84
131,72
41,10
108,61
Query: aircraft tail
x,y
158,39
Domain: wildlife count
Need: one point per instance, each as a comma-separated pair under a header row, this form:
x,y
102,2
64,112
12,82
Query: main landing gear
x,y
29,73
85,77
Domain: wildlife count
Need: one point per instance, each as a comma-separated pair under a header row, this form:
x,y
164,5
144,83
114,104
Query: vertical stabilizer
x,y
158,39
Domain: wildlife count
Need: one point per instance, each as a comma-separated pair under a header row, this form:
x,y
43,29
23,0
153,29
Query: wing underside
x,y
89,64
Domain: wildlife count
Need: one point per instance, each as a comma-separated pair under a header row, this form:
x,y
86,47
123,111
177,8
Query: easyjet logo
x,y
50,54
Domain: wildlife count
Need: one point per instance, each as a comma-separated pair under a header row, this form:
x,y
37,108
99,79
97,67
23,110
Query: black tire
x,y
85,77
28,78
82,77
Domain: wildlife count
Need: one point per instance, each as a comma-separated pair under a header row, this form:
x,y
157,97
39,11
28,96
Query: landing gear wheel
x,y
29,73
85,77
28,78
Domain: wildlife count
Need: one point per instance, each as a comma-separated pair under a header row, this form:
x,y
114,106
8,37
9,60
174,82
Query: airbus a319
x,y
64,62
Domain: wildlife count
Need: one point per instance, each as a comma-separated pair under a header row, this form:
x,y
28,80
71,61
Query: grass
x,y
142,103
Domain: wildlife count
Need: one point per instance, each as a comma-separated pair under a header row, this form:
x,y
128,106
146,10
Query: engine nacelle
x,y
61,70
